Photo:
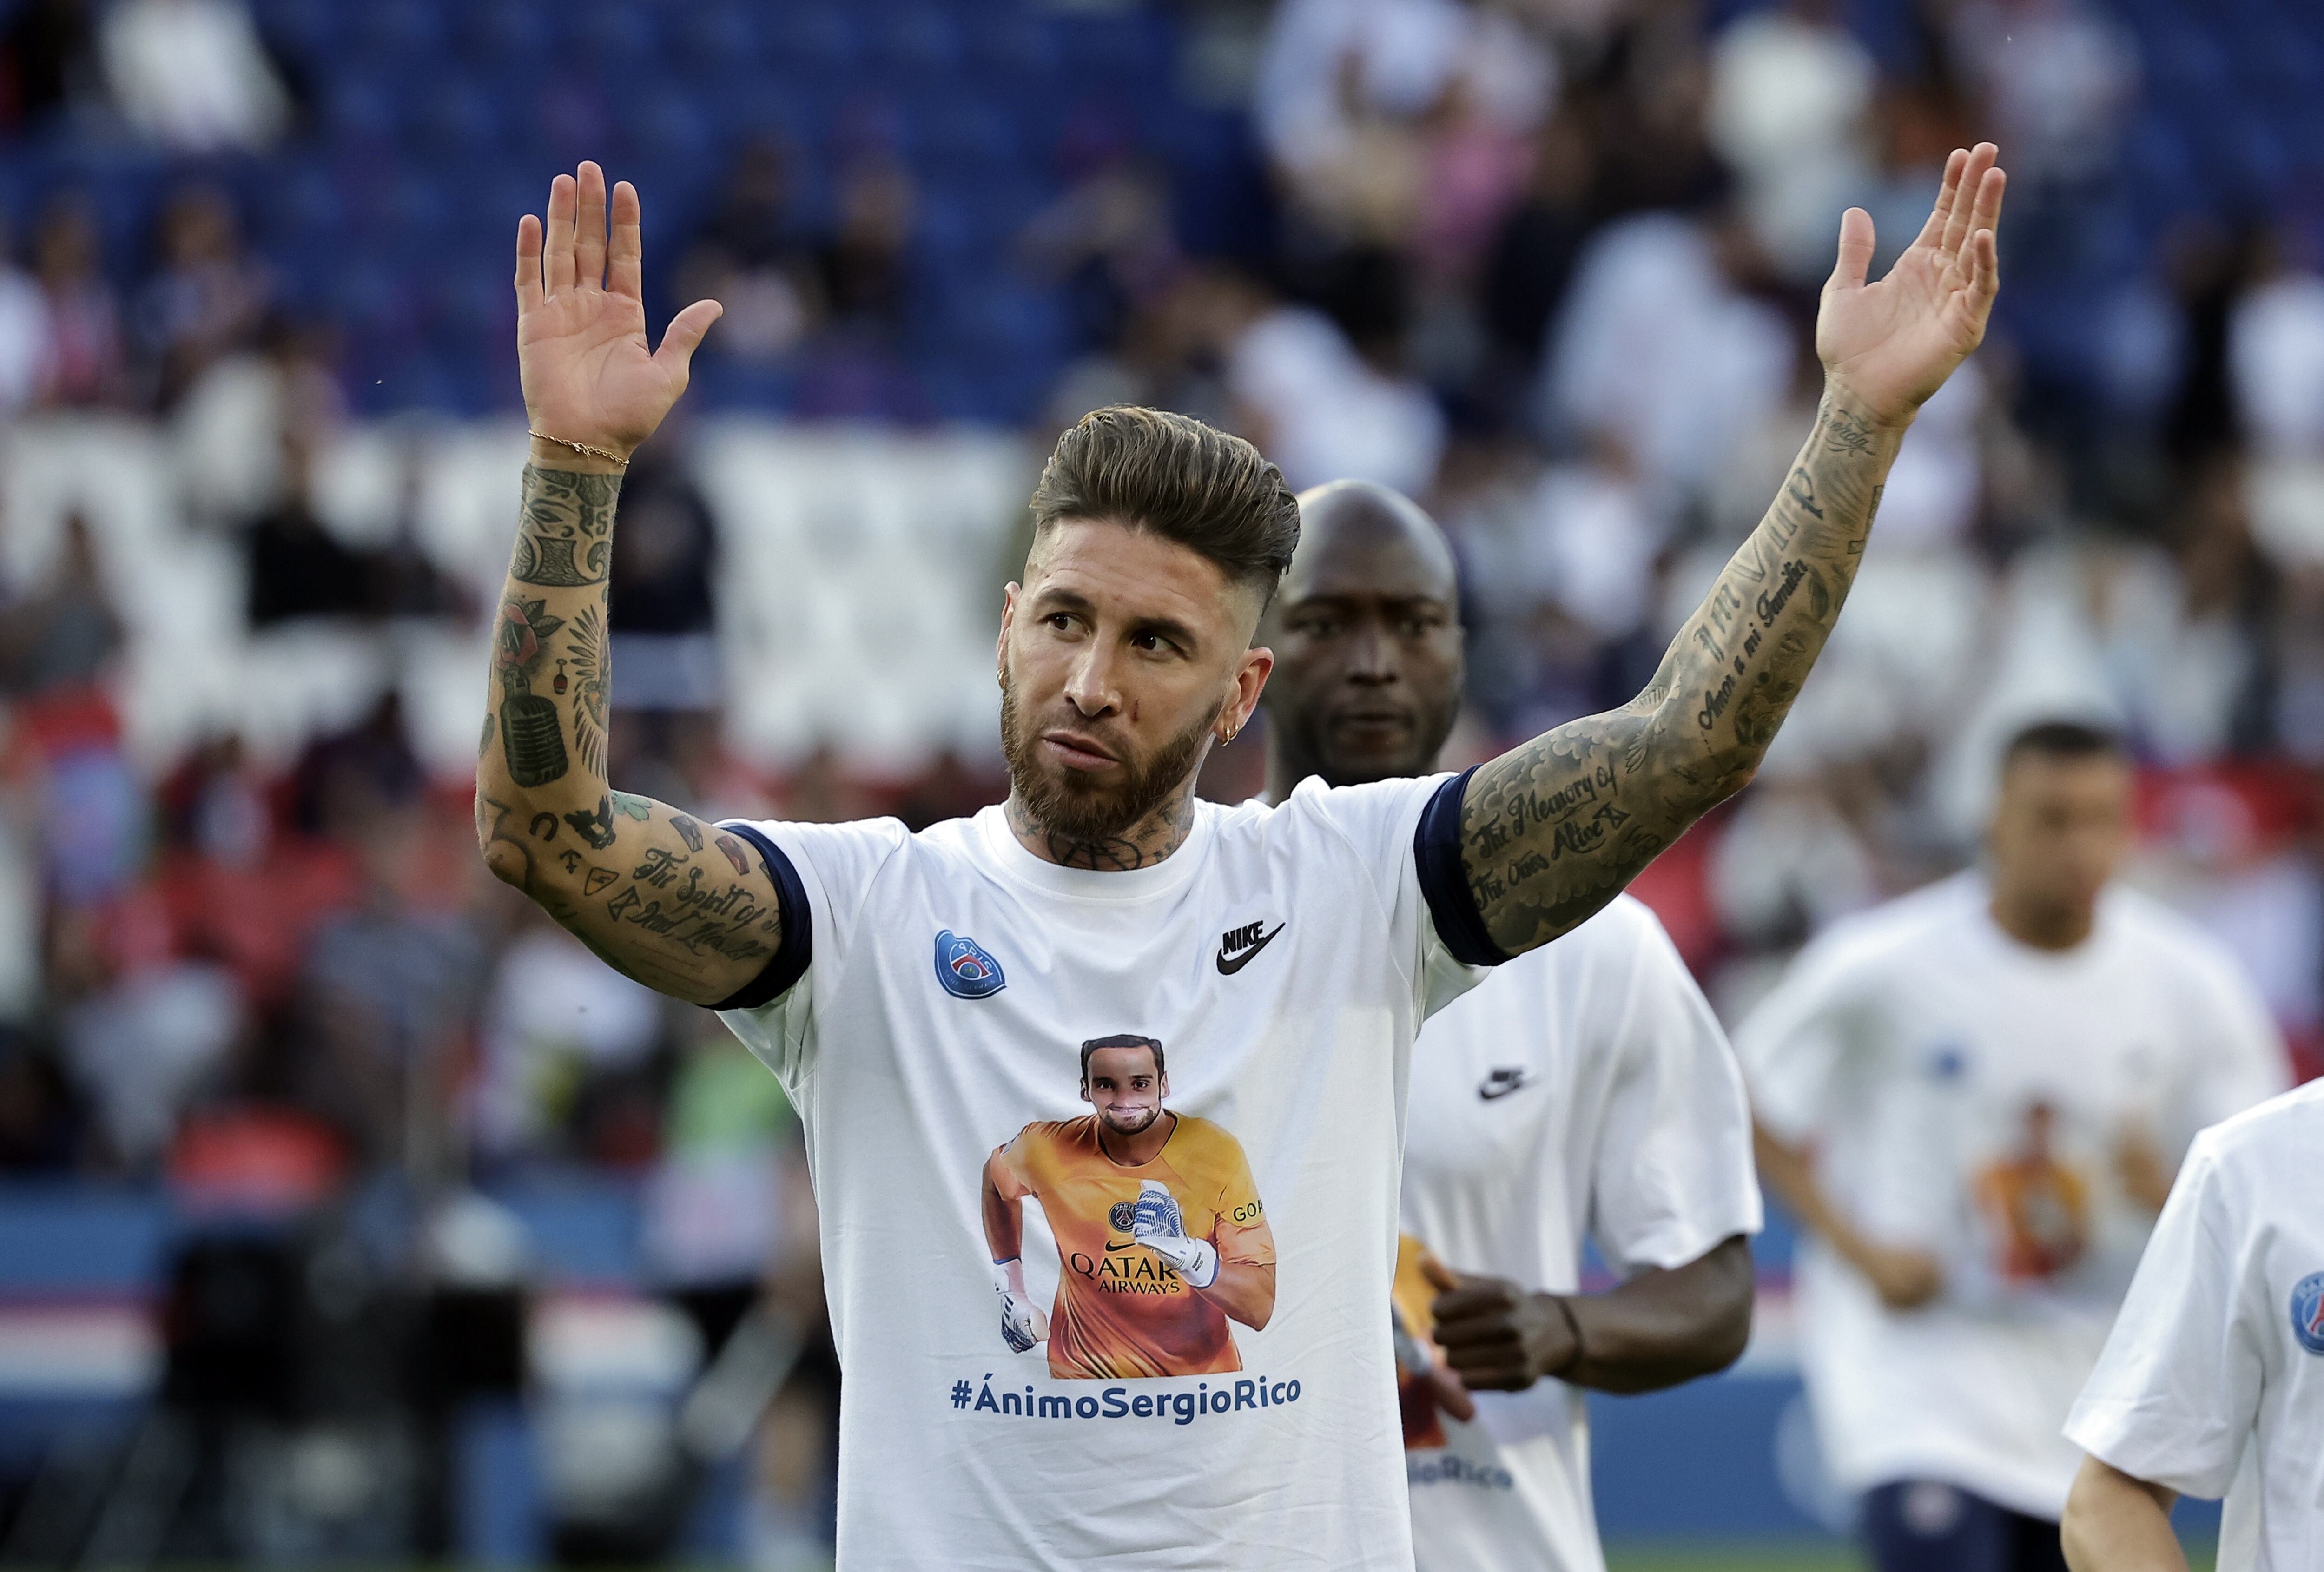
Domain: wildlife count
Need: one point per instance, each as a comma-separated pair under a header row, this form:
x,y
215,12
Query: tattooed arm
x,y
671,901
1553,830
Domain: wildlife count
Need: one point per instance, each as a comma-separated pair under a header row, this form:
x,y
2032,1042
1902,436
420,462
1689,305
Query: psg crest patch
x,y
966,968
2308,1312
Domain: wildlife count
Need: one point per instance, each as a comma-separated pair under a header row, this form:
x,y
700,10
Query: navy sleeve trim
x,y
1444,878
797,947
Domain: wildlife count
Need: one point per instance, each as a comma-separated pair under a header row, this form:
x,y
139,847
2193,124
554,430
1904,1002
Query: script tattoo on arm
x,y
636,881
1554,829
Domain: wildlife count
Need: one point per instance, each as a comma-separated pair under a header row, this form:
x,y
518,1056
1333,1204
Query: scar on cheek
x,y
1133,712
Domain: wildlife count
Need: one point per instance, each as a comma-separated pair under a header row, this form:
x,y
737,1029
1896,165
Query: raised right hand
x,y
581,350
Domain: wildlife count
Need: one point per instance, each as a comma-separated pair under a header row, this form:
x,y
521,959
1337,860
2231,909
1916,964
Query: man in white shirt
x,y
2212,1382
1585,1089
925,998
1973,1098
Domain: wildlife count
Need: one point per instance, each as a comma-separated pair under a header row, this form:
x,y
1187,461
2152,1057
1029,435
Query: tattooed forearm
x,y
1555,829
638,883
565,533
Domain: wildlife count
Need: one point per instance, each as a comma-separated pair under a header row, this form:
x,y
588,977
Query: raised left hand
x,y
1891,343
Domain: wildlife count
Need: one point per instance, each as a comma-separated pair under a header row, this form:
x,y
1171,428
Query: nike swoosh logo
x,y
1228,968
1111,1246
1495,1088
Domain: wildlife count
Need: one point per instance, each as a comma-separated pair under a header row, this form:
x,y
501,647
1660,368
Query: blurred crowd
x,y
1549,265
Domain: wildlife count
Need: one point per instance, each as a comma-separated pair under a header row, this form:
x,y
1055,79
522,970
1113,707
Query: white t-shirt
x,y
1965,1095
2218,1358
1284,958
1584,1090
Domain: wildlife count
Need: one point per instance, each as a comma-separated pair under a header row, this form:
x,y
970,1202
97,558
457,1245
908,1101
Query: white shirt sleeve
x,y
835,865
1673,1174
2177,1390
2240,1060
1795,1044
1379,822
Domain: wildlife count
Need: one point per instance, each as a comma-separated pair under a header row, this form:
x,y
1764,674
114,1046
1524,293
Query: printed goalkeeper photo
x,y
1278,785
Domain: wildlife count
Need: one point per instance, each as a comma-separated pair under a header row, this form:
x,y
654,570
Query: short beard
x,y
1118,1128
1095,818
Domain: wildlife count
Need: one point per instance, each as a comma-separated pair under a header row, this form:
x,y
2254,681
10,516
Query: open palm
x,y
588,373
1892,343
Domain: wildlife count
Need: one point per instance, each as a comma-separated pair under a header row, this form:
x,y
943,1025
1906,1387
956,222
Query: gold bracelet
x,y
582,447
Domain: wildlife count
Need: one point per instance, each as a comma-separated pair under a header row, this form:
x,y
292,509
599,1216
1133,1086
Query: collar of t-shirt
x,y
1020,867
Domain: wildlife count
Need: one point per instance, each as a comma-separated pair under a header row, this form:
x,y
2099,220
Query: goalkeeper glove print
x,y
1156,1223
1022,1323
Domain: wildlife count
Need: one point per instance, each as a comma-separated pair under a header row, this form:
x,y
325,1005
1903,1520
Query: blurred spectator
x,y
1662,361
1789,90
386,990
1531,261
344,780
1647,97
142,1046
1107,242
663,620
1342,91
2057,77
2176,629
64,633
39,1118
48,63
555,1019
2276,354
23,330
299,568
1304,394
863,273
865,266
82,363
193,75
205,299
750,256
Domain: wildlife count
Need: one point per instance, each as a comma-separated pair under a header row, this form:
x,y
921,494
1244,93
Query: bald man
x,y
1583,1090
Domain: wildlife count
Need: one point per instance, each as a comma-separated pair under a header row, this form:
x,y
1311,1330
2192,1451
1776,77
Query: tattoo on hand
x,y
687,831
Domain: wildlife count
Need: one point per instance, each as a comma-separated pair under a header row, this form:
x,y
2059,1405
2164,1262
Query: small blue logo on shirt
x,y
2308,1312
965,969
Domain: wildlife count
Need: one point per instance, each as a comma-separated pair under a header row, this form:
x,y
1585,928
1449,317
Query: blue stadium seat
x,y
1012,47
362,108
814,39
621,35
453,118
666,125
914,44
397,30
505,33
716,36
307,31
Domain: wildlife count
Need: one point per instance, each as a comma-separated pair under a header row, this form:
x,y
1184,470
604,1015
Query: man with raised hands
x,y
922,996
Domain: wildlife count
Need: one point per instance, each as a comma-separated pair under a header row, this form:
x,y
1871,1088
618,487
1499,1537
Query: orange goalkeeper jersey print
x,y
1121,1310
